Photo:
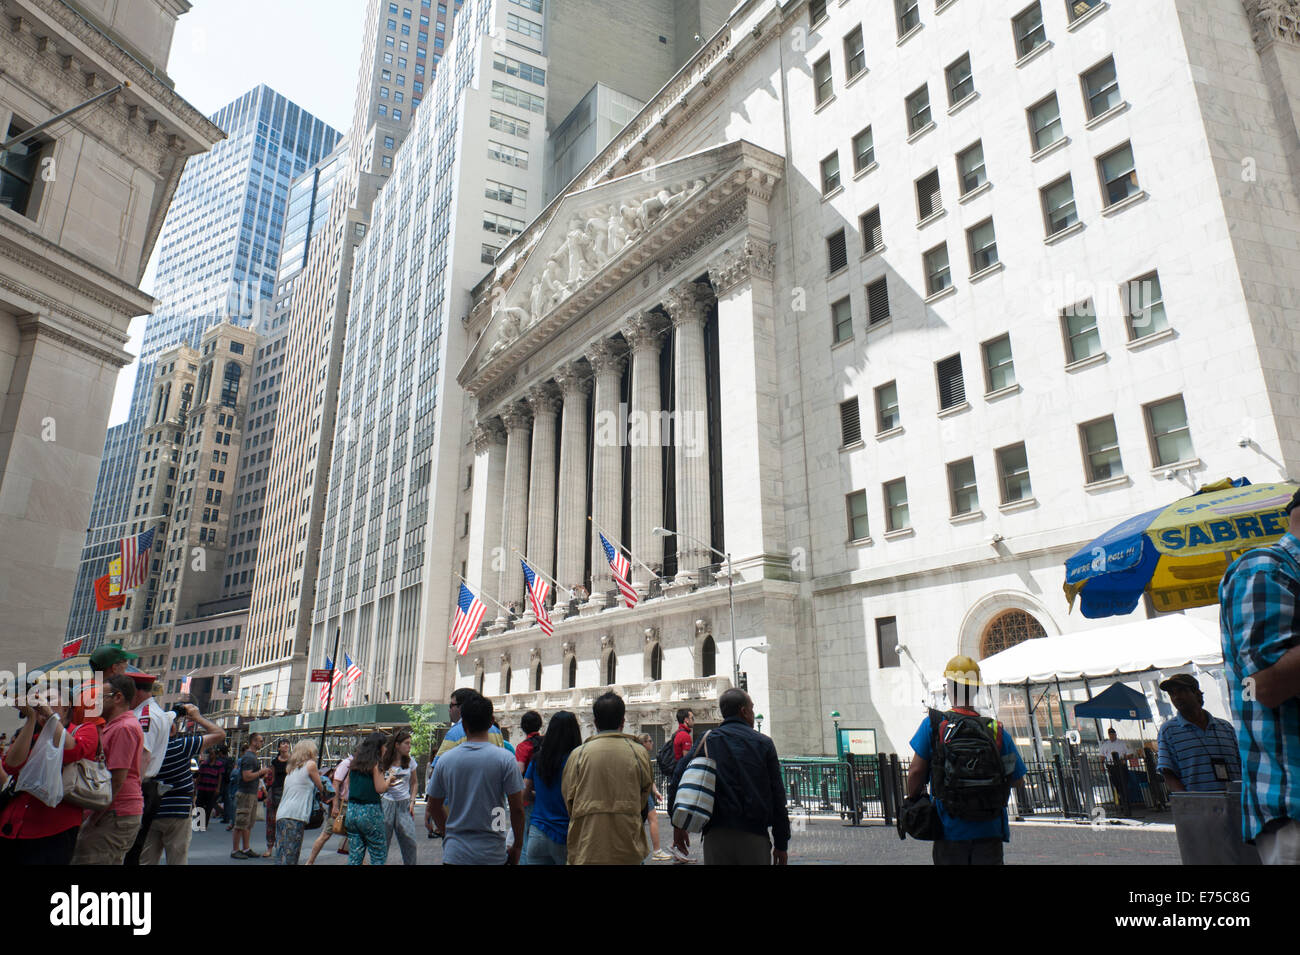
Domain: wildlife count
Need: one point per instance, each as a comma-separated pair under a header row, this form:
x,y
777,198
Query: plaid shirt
x,y
1258,601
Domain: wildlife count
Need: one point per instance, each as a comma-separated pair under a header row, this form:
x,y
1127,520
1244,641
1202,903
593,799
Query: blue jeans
x,y
541,849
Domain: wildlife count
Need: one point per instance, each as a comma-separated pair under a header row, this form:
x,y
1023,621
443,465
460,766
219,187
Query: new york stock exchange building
x,y
806,341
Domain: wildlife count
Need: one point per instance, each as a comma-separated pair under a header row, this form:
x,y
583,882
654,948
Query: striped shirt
x,y
175,772
1188,752
1258,600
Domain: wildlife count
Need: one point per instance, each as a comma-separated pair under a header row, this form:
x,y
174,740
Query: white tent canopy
x,y
1165,643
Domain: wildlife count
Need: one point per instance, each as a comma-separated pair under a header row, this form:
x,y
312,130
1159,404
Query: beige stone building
x,y
81,205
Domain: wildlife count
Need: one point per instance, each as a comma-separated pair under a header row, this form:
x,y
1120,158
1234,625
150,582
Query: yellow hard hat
x,y
962,669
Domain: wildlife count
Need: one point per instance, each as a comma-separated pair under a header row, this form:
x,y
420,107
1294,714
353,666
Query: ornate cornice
x,y
706,235
488,433
752,259
1272,20
489,395
687,303
644,331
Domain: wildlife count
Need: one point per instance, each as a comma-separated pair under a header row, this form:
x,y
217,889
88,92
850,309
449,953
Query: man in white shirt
x,y
156,724
1112,748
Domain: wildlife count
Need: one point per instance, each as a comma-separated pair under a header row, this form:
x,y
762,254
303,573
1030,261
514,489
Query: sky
x,y
306,50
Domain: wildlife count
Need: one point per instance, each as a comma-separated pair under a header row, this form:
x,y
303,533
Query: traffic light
x,y
744,681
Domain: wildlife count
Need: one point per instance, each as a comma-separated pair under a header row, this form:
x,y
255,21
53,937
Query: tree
x,y
424,728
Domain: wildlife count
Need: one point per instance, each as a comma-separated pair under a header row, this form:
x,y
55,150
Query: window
x,y
887,642
503,225
908,16
20,171
855,55
837,256
1013,473
1058,205
872,236
856,507
878,302
392,24
387,162
887,415
383,110
1029,30
822,80
970,168
1077,8
1045,123
918,109
850,423
864,151
983,246
388,142
520,25
952,386
516,97
937,275
1101,88
397,114
841,321
831,173
1100,450
1082,337
1118,176
1144,306
385,75
999,370
507,154
1171,441
388,58
816,11
963,494
508,124
961,82
501,192
896,516
488,254
525,71
929,199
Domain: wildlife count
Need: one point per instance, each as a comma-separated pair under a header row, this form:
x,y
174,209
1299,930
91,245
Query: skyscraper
x,y
217,260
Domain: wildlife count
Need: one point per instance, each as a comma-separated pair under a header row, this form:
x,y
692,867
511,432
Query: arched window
x,y
656,664
230,384
573,672
611,668
709,657
537,676
1008,629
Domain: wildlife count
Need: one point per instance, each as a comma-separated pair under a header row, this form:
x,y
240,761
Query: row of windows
x,y
502,192
1169,442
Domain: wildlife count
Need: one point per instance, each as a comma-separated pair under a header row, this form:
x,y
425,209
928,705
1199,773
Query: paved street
x,y
824,842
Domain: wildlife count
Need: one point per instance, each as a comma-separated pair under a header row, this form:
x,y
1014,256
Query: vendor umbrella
x,y
1176,553
1117,702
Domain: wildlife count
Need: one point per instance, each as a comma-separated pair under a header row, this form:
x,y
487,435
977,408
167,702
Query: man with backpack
x,y
970,764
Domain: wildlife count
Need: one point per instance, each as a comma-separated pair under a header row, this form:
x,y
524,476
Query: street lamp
x,y
731,603
760,648
835,719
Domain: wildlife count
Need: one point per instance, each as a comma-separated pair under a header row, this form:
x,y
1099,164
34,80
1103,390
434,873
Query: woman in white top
x,y
301,784
398,803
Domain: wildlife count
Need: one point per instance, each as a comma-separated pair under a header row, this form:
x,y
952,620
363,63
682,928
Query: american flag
x,y
327,688
537,591
622,570
352,673
135,560
469,617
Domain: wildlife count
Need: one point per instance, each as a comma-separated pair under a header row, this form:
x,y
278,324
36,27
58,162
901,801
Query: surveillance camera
x,y
1244,443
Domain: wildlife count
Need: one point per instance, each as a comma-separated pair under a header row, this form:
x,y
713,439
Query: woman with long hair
x,y
548,833
32,833
274,792
399,802
301,782
365,818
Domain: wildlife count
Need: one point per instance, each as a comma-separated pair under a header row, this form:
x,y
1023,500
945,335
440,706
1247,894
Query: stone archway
x,y
1008,629
987,610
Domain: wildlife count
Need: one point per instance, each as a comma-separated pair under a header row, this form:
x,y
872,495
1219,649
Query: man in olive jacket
x,y
607,785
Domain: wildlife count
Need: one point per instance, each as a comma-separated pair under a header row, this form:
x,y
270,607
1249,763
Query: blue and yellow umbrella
x,y
1177,553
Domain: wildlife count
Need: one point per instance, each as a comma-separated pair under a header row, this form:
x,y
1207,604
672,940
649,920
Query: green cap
x,y
108,654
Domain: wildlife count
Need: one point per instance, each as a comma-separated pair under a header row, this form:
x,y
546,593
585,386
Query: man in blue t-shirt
x,y
964,842
172,829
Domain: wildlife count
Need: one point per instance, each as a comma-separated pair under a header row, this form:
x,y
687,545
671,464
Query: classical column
x,y
514,505
571,523
607,362
645,335
485,508
749,356
688,305
545,404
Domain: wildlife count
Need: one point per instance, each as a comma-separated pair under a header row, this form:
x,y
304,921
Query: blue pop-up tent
x,y
1117,702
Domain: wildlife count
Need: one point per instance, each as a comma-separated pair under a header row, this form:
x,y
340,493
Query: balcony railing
x,y
579,698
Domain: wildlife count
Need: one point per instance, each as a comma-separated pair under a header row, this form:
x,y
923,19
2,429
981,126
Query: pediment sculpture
x,y
588,240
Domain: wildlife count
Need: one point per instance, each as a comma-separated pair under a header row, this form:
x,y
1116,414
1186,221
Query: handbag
x,y
317,817
87,783
340,820
694,806
921,818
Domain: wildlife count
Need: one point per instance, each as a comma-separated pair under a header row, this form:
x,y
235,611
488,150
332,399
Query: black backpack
x,y
968,772
667,762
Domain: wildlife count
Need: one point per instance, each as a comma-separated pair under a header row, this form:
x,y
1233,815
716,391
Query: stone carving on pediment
x,y
702,238
590,239
1274,20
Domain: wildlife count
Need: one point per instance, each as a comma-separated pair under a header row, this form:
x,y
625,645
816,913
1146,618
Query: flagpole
x,y
338,632
553,582
614,540
481,593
